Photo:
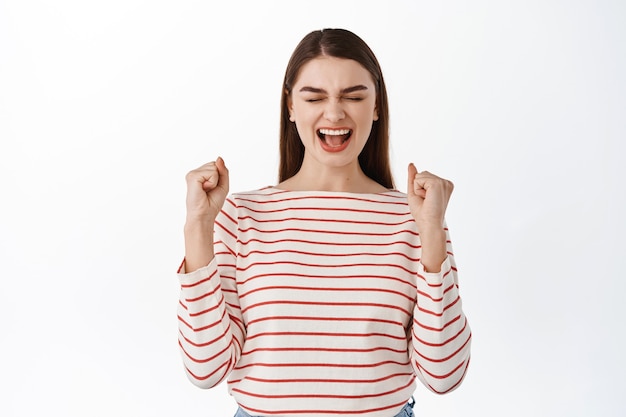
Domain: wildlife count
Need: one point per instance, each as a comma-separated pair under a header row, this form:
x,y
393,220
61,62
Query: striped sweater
x,y
316,304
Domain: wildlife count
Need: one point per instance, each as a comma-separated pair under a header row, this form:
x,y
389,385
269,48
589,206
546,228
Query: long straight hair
x,y
338,43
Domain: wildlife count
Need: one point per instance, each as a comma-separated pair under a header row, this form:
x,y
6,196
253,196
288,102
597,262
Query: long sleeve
x,y
441,336
328,292
211,330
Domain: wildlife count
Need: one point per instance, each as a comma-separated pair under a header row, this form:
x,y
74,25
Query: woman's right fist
x,y
207,189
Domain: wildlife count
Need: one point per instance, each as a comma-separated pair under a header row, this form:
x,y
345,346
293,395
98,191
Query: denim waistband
x,y
407,410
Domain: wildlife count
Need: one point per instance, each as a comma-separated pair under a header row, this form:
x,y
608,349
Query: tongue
x,y
335,140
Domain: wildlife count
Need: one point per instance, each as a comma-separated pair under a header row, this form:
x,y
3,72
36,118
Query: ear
x,y
375,114
290,107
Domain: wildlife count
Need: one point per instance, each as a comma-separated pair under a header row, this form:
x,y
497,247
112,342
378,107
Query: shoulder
x,y
258,195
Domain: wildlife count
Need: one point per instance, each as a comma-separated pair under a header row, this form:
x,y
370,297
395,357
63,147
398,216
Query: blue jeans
x,y
407,411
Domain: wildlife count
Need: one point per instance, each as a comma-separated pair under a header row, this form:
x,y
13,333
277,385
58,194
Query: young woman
x,y
329,293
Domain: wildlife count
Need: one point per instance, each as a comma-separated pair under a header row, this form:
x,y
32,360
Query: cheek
x,y
305,131
366,122
368,114
305,123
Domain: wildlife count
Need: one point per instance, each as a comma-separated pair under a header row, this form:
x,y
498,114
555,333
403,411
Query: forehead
x,y
333,73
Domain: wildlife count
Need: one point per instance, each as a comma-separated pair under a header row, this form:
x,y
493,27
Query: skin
x,y
332,93
329,93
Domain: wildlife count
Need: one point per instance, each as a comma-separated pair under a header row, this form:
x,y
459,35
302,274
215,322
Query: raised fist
x,y
207,189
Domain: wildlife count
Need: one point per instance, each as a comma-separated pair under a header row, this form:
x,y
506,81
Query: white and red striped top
x,y
316,304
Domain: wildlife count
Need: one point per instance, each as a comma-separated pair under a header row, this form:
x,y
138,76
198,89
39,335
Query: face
x,y
333,103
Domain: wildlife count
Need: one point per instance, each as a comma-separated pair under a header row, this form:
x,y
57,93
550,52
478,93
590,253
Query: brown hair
x,y
339,43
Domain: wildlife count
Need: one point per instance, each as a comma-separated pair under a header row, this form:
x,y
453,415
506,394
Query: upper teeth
x,y
334,132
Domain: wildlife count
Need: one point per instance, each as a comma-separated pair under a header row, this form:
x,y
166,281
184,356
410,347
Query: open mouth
x,y
334,139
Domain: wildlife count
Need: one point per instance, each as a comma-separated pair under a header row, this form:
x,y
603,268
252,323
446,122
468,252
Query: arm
x,y
440,336
211,330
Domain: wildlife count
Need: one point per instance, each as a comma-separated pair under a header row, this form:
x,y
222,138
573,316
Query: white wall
x,y
104,106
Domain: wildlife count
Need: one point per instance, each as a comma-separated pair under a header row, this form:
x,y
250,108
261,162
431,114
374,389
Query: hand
x,y
428,197
207,189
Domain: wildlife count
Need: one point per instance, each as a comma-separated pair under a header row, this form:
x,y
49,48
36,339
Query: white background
x,y
105,105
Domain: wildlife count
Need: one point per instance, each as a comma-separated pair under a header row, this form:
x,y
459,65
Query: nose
x,y
333,112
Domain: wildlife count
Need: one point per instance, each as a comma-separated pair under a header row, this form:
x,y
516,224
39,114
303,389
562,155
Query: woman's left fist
x,y
428,197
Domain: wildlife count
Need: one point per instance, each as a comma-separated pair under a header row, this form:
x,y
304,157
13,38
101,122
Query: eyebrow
x,y
347,90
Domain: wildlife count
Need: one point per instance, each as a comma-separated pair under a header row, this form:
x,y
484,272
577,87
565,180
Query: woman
x,y
329,293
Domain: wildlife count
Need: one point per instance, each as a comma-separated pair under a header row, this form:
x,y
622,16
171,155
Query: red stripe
x,y
310,318
453,386
323,304
318,349
445,274
180,267
443,343
202,281
243,269
205,377
433,313
208,310
325,220
219,244
450,287
325,255
231,202
423,294
225,229
321,365
447,358
225,214
348,289
325,334
311,276
242,197
444,376
311,242
204,327
209,359
328,232
311,395
205,344
205,295
331,381
223,276
435,329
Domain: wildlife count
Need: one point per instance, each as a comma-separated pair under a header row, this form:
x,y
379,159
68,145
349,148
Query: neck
x,y
324,178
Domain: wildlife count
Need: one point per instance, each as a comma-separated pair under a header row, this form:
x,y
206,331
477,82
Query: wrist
x,y
434,230
195,225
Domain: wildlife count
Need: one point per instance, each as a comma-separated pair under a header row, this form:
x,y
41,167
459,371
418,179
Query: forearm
x,y
199,247
433,241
